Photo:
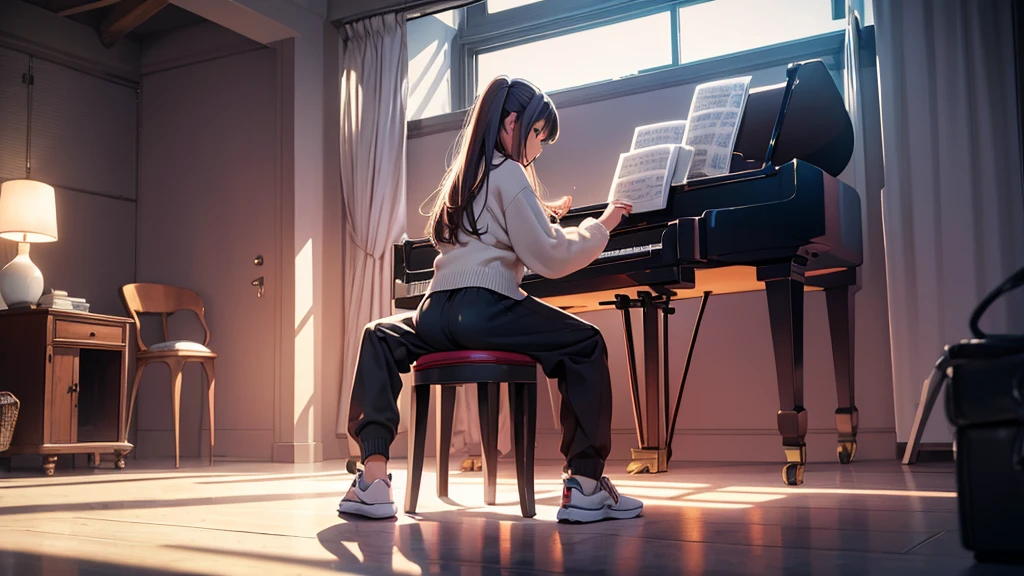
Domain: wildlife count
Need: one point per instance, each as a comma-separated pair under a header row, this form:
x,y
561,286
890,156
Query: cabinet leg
x,y
96,460
49,464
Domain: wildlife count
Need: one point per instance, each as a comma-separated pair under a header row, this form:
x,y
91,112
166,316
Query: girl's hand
x,y
560,207
614,212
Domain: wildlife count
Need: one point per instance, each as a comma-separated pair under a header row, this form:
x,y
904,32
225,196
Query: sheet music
x,y
684,158
651,159
646,192
711,128
657,134
643,177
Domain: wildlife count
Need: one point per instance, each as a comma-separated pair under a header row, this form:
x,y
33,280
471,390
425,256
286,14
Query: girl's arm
x,y
549,249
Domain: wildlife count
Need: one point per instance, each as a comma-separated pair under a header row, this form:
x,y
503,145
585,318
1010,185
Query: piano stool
x,y
488,369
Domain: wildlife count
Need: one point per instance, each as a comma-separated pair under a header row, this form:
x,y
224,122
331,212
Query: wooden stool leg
x,y
487,398
176,406
417,441
444,420
531,441
522,397
211,382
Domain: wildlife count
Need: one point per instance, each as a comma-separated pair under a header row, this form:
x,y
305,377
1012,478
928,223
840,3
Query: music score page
x,y
713,123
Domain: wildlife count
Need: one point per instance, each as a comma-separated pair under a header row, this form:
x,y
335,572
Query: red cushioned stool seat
x,y
487,369
472,357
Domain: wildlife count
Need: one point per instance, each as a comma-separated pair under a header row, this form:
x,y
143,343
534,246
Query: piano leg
x,y
786,313
839,301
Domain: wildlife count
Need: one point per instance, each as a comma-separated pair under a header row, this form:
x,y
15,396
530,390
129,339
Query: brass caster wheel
x,y
351,466
846,451
119,464
793,474
48,471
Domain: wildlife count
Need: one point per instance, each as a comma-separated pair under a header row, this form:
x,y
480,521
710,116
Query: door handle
x,y
258,283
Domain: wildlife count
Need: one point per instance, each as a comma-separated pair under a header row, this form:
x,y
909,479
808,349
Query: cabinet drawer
x,y
82,332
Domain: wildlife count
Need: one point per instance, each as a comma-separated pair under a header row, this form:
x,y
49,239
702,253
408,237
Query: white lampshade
x,y
28,211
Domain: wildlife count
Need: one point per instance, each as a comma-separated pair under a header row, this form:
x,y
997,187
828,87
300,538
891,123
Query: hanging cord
x,y
1014,281
29,79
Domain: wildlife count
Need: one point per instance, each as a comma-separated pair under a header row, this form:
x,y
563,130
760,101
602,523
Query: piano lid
x,y
815,127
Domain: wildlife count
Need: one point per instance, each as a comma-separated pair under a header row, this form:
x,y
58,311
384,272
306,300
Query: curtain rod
x,y
414,9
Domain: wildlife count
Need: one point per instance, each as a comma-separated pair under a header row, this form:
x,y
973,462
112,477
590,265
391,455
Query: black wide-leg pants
x,y
567,348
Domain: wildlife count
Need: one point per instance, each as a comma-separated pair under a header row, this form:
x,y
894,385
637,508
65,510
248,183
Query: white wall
x,y
731,398
83,144
207,206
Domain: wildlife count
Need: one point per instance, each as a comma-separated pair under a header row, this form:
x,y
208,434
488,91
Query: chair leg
x,y
211,382
522,400
443,421
131,403
176,405
530,510
929,394
417,440
487,398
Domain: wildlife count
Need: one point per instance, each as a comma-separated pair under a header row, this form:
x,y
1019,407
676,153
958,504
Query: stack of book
x,y
59,300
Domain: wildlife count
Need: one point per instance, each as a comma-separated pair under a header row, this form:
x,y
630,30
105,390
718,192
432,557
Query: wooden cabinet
x,y
69,370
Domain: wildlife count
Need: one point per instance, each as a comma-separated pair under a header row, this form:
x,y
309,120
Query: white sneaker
x,y
372,501
604,503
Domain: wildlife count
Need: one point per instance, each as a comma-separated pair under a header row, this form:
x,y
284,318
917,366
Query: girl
x,y
488,223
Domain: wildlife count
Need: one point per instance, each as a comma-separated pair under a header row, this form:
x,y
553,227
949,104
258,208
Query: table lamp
x,y
28,213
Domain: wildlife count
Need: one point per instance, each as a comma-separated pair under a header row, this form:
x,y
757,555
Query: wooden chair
x,y
143,298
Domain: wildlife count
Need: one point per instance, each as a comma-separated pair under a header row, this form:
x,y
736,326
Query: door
x,y
208,207
64,396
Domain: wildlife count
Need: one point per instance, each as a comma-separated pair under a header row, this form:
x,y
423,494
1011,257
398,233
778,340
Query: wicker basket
x,y
8,416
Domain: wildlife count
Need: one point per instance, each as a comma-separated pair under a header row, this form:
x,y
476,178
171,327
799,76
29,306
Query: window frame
x,y
480,32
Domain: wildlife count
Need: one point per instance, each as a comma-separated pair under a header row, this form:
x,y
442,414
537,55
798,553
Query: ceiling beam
x,y
87,7
125,17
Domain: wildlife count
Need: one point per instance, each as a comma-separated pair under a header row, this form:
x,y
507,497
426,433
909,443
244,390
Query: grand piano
x,y
780,221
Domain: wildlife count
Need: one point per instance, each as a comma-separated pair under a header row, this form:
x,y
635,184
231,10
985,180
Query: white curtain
x,y
856,172
374,92
952,206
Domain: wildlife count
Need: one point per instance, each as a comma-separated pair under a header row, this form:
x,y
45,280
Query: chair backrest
x,y
147,298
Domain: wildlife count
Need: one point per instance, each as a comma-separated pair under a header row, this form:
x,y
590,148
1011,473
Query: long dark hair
x,y
474,150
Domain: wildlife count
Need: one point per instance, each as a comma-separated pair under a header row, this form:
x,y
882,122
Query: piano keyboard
x,y
403,290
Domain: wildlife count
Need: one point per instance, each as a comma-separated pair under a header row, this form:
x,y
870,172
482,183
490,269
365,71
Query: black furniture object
x,y
488,369
985,401
780,221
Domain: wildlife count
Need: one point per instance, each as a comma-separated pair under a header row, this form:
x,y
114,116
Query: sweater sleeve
x,y
549,249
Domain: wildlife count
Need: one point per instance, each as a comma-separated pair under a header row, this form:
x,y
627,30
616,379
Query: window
x,y
721,27
583,57
499,5
566,44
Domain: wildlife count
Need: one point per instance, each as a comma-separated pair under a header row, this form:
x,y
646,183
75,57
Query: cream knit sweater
x,y
518,235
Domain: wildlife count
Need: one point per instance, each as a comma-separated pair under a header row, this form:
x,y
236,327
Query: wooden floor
x,y
872,518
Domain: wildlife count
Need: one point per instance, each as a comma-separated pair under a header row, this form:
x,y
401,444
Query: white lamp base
x,y
21,282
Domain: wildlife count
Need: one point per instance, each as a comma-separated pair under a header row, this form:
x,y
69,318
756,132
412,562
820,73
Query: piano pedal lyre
x,y
655,448
648,461
472,463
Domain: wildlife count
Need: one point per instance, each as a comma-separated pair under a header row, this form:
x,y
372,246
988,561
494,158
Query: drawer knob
x,y
92,334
